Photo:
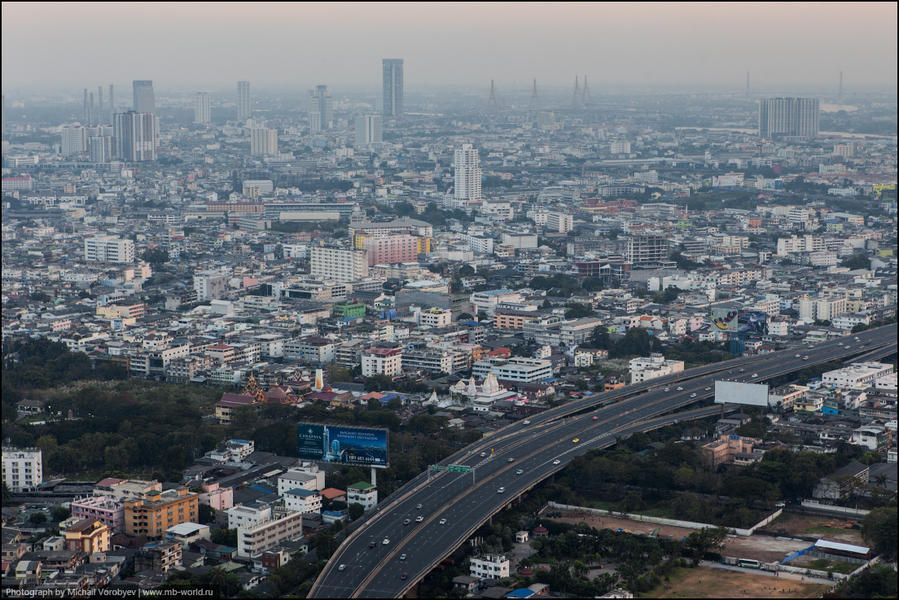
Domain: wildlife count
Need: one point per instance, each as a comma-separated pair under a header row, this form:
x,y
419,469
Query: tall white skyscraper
x,y
263,141
74,140
144,98
393,86
368,130
243,100
202,114
788,117
135,136
467,180
320,109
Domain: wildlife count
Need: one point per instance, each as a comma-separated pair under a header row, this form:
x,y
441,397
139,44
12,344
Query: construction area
x,y
707,582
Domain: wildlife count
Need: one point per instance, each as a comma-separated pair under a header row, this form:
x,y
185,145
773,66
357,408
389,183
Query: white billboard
x,y
731,392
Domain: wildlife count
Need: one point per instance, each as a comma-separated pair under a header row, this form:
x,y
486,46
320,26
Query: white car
x,y
693,395
341,567
419,519
556,462
667,389
402,557
526,422
805,358
797,356
754,375
708,388
386,541
418,506
510,460
501,490
519,472
406,521
443,521
483,454
680,389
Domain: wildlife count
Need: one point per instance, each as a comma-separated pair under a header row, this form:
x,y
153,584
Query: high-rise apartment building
x,y
22,469
467,180
144,98
320,109
263,141
108,249
393,87
647,249
338,264
73,140
202,114
788,117
243,100
368,130
101,148
135,136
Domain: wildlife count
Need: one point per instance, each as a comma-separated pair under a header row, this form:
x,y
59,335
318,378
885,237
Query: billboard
x,y
359,446
744,321
731,392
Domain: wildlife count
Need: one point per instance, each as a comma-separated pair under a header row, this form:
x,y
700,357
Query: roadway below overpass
x,y
451,506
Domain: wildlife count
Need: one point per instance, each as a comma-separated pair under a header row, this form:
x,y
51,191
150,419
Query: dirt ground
x,y
759,547
828,528
704,582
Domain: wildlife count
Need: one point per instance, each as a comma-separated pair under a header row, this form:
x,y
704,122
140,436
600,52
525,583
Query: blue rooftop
x,y
494,292
520,593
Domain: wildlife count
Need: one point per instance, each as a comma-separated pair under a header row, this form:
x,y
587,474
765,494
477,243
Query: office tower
x,y
467,173
393,87
320,109
98,116
646,249
201,109
74,138
85,110
144,99
338,264
135,136
368,130
108,249
100,148
111,104
796,117
263,141
243,100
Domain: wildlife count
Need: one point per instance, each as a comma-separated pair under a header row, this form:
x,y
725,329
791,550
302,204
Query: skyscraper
x,y
111,104
467,182
144,99
393,87
135,136
73,140
243,100
263,141
201,109
788,117
368,130
320,109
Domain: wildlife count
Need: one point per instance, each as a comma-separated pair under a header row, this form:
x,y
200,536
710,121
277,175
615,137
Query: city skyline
x,y
616,44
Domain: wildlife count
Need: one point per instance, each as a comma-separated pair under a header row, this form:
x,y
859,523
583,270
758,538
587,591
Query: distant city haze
x,y
341,44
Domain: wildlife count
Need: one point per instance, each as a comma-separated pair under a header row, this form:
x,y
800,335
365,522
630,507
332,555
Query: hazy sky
x,y
212,44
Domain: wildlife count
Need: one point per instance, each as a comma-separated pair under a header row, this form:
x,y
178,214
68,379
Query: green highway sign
x,y
459,469
438,468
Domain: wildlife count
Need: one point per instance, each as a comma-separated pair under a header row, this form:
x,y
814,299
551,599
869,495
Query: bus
x,y
748,563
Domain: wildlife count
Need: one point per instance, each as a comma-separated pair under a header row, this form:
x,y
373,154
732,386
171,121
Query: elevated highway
x,y
518,457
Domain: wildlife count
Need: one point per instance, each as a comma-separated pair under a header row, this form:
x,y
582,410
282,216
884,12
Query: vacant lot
x,y
828,528
704,582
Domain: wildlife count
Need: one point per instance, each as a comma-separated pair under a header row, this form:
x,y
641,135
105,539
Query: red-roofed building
x,y
224,408
334,494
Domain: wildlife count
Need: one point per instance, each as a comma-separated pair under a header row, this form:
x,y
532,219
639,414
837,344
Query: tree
x,y
206,514
60,513
36,518
155,256
857,261
356,510
577,310
879,530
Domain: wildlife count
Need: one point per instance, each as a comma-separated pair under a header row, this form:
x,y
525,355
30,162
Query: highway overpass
x,y
516,458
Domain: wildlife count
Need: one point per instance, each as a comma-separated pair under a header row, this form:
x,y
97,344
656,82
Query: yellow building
x,y
157,511
88,536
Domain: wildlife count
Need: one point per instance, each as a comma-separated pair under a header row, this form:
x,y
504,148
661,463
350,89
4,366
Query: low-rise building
x,y
88,536
258,538
304,501
22,468
362,493
730,449
157,511
105,509
489,566
646,368
188,533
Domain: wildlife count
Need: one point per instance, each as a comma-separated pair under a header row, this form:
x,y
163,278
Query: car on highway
x,y
693,395
797,356
443,521
483,454
402,557
595,418
404,576
519,471
555,462
805,358
680,389
386,541
741,370
526,422
341,567
371,544
501,490
708,388
667,389
419,519
575,440
754,375
406,521
857,340
510,459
